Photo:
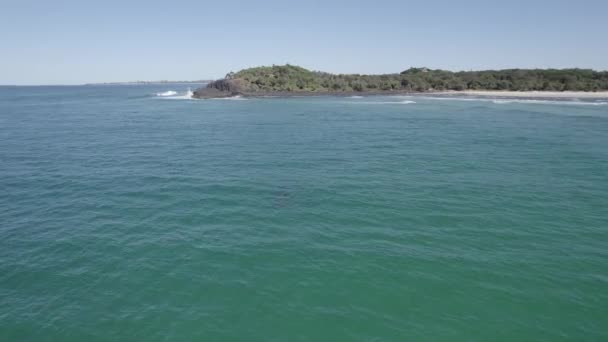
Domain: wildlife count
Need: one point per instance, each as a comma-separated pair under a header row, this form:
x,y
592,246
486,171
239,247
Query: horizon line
x,y
286,64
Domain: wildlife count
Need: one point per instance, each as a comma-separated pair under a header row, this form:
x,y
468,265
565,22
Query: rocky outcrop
x,y
219,88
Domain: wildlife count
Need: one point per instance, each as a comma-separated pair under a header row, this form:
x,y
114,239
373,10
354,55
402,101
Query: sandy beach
x,y
531,94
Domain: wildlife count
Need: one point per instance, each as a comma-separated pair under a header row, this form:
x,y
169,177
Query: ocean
x,y
133,213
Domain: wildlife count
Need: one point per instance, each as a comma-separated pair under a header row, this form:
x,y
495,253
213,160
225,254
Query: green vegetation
x,y
289,78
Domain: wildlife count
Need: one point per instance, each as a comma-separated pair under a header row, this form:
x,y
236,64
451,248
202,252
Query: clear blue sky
x,y
72,42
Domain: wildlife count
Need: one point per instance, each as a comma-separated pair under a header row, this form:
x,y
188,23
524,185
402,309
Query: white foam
x,y
356,97
231,98
167,93
447,98
173,95
550,102
571,102
384,102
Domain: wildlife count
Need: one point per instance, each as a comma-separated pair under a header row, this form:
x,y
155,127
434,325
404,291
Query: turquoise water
x,y
126,216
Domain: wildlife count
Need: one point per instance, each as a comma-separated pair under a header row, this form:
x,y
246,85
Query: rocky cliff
x,y
219,88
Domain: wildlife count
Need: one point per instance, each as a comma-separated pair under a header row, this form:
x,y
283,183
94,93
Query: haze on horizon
x,y
76,42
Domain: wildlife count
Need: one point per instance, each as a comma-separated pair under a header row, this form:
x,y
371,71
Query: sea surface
x,y
133,213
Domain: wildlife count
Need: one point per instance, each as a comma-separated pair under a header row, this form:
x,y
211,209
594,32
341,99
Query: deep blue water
x,y
129,216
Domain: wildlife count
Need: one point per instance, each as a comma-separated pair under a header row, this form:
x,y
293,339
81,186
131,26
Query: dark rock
x,y
219,88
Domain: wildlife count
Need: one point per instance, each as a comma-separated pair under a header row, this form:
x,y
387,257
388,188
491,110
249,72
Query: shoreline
x,y
206,93
453,93
528,94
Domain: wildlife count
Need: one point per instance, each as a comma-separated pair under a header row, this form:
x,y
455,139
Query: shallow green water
x,y
129,217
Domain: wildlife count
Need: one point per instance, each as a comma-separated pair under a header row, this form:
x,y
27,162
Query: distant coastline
x,y
148,82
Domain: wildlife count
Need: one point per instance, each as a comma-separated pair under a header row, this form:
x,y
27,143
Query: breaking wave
x,y
167,93
552,102
571,102
233,98
173,95
383,102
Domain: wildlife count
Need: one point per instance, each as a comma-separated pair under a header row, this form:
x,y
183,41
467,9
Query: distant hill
x,y
291,79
